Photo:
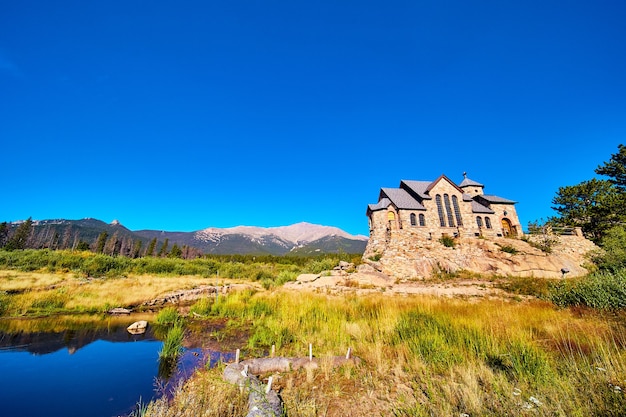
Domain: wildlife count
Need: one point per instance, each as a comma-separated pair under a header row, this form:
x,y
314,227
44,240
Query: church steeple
x,y
471,187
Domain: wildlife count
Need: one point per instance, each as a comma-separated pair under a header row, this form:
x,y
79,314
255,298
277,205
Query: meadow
x,y
423,356
551,349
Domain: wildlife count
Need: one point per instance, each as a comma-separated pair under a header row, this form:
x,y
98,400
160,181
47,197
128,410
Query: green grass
x,y
276,270
173,343
601,290
169,315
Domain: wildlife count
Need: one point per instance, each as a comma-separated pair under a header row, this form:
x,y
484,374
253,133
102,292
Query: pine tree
x,y
151,247
176,252
163,250
102,239
4,233
137,248
21,235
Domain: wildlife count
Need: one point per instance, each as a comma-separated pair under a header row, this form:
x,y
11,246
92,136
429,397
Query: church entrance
x,y
507,227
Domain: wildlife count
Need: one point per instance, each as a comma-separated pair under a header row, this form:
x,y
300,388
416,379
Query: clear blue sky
x,y
184,115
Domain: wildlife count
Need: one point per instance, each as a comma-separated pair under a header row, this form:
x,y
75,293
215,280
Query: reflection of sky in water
x,y
101,379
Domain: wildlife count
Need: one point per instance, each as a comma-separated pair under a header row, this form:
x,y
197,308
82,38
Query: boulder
x,y
137,327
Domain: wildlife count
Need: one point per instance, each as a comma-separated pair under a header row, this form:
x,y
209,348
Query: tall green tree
x,y
4,233
151,247
615,168
102,240
137,248
596,205
21,235
163,250
176,252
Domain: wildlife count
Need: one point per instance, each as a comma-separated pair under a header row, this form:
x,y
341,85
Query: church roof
x,y
479,208
469,183
401,199
381,205
418,187
497,200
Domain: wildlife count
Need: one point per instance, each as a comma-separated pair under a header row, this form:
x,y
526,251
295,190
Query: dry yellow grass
x,y
58,292
18,281
497,357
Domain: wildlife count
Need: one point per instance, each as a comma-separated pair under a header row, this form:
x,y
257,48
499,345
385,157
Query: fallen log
x,y
265,402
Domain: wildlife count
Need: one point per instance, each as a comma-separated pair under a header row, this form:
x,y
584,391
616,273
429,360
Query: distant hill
x,y
297,239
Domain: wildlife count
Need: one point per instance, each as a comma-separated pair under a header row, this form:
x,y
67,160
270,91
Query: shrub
x,y
602,290
447,241
376,257
509,249
613,254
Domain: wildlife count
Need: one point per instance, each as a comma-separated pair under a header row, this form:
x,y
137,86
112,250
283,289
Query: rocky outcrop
x,y
407,258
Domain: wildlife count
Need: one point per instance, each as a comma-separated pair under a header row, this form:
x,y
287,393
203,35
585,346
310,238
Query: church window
x,y
413,220
422,220
446,200
488,222
479,221
457,211
442,218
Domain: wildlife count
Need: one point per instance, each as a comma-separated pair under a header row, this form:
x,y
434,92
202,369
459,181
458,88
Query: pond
x,y
77,367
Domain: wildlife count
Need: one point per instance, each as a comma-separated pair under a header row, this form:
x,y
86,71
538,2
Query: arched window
x,y
488,222
442,218
479,221
457,211
446,200
422,220
413,220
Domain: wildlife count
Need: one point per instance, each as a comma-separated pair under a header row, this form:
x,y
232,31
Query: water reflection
x,y
88,365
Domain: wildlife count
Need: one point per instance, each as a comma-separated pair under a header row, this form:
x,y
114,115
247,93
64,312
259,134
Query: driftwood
x,y
119,310
264,402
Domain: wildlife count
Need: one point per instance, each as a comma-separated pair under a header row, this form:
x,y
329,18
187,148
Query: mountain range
x,y
297,239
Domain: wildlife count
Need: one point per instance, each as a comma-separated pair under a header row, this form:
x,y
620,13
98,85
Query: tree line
x,y
26,236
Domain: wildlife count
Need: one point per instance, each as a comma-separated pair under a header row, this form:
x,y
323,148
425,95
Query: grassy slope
x,y
421,355
426,356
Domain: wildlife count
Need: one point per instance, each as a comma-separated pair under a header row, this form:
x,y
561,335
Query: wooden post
x,y
273,351
269,385
348,354
310,352
237,356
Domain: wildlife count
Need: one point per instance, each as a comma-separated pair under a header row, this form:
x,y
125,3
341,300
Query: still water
x,y
101,371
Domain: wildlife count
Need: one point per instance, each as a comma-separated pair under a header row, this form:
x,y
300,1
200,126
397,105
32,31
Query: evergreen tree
x,y
593,205
137,248
596,205
21,235
82,245
176,252
163,250
4,233
615,168
151,247
102,239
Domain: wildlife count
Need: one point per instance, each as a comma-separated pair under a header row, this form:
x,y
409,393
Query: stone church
x,y
432,209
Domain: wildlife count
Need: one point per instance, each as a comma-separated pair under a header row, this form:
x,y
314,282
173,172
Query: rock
x,y
137,327
307,277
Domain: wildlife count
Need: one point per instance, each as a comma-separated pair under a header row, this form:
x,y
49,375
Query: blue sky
x,y
184,115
